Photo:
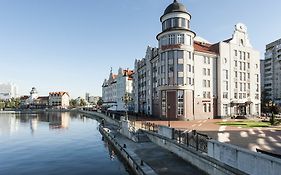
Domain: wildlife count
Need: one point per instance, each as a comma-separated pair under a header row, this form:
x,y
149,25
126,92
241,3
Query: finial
x,y
175,1
111,70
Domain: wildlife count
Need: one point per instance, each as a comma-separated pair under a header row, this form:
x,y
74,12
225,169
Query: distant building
x,y
94,99
116,87
33,96
59,99
87,97
8,91
272,71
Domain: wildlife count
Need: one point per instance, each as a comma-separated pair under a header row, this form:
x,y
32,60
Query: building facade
x,y
59,99
115,88
8,91
272,71
188,78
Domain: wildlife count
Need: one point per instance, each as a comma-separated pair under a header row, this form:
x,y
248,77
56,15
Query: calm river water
x,y
54,144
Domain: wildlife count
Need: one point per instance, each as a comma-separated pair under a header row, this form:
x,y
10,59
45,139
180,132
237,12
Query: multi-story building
x,y
115,88
8,91
59,99
190,78
272,71
145,83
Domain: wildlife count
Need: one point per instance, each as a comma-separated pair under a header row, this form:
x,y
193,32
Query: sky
x,y
70,45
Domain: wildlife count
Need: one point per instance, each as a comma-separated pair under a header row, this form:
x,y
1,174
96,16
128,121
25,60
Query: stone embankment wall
x,y
135,163
102,116
248,161
202,161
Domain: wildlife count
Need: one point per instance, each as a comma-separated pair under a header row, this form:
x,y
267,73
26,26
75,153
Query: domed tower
x,y
176,63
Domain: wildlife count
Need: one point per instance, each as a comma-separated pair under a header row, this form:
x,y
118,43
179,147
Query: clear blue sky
x,y
71,44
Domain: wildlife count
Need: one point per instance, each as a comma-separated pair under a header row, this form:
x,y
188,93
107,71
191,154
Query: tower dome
x,y
175,7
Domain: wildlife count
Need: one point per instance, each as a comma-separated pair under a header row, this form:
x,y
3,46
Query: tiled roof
x,y
206,48
43,98
58,93
24,97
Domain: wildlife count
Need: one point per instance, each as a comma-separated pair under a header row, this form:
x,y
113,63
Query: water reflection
x,y
36,145
10,123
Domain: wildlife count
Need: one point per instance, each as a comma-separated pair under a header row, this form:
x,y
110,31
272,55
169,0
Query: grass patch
x,y
245,124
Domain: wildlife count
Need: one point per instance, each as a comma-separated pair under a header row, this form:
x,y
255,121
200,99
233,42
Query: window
x,y
235,63
235,95
180,102
225,74
204,94
204,71
226,85
209,72
225,109
235,53
163,102
180,67
205,107
208,83
236,85
236,74
183,23
189,68
180,81
204,83
225,95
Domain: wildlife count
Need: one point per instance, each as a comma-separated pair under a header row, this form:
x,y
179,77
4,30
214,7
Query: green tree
x,y
2,105
82,102
73,103
100,102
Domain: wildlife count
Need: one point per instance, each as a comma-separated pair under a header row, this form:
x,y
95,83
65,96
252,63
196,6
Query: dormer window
x,y
241,42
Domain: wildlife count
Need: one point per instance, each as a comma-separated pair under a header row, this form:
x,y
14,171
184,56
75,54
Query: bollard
x,y
142,163
124,146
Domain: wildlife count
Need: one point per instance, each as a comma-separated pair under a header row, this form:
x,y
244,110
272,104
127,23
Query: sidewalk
x,y
160,160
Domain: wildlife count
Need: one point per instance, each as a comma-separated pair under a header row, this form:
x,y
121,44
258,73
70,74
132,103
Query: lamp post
x,y
127,99
169,122
271,106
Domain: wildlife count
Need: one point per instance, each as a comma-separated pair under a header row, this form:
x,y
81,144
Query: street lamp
x,y
271,106
127,99
169,122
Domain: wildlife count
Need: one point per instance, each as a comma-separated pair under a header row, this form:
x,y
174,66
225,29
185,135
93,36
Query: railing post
x,y
187,139
197,142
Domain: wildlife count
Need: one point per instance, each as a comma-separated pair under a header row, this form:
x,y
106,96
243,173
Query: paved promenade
x,y
160,160
268,139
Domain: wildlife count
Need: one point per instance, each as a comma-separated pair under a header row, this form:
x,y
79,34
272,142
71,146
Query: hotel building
x,y
188,78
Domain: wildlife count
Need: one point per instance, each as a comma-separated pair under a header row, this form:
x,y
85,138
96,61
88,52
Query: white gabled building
x,y
59,99
238,75
115,88
189,78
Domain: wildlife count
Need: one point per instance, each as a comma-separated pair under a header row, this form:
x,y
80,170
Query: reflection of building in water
x,y
58,120
8,124
33,124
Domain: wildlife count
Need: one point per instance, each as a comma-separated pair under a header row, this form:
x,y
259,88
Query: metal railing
x,y
192,139
122,149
